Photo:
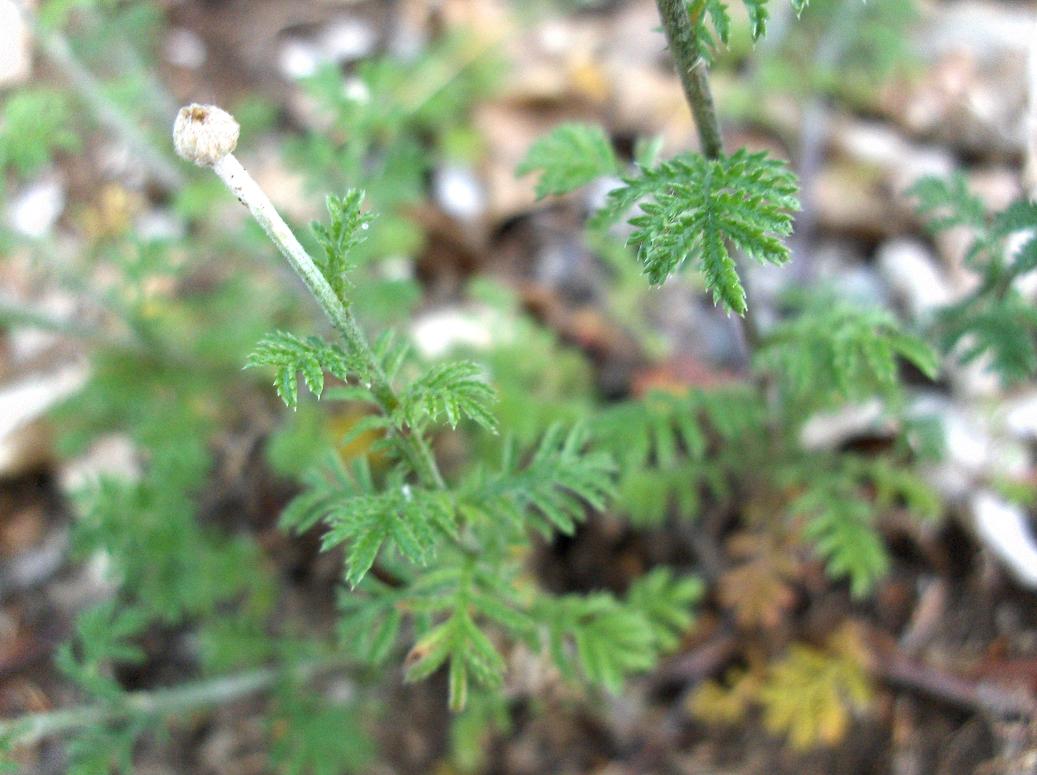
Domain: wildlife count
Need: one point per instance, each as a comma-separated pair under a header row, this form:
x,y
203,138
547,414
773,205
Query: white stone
x,y
36,208
987,30
27,342
299,58
348,39
437,333
397,268
113,455
15,46
830,429
911,271
25,401
356,90
160,226
459,192
1020,416
1004,528
184,48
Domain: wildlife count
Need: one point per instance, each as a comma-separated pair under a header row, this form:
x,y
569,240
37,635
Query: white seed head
x,y
204,134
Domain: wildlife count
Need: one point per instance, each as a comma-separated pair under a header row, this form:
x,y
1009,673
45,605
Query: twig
x,y
15,315
57,50
162,702
986,697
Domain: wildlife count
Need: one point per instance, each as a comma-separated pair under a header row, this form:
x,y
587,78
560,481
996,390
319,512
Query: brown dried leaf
x,y
760,590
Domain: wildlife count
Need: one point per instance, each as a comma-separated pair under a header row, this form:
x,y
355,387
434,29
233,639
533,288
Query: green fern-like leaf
x,y
664,443
450,391
994,320
410,519
599,637
291,355
461,590
666,603
1001,327
695,207
34,124
718,15
838,350
948,203
550,492
839,525
347,228
103,637
571,156
758,16
370,619
317,737
470,652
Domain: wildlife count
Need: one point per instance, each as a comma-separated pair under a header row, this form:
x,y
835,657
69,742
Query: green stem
x,y
679,25
29,729
248,192
680,34
58,51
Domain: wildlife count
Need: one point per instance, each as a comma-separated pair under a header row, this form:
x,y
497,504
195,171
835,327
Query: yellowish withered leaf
x,y
811,695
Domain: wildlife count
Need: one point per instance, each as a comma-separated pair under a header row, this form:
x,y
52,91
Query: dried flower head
x,y
204,134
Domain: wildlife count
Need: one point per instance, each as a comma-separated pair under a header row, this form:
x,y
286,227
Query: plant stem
x,y
680,34
29,729
57,49
248,192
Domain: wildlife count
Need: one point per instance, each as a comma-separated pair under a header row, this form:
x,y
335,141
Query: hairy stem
x,y
679,27
248,192
680,34
29,729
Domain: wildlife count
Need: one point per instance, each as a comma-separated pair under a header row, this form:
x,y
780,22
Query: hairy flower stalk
x,y
207,136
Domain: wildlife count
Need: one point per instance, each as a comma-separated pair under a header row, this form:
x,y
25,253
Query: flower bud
x,y
204,134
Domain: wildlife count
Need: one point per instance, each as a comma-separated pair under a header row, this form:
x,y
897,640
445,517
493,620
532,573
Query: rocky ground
x,y
955,626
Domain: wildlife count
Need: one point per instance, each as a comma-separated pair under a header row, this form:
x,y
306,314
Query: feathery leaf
x,y
571,156
694,207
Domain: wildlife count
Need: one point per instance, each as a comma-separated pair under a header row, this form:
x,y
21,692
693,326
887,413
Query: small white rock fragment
x,y
1020,416
299,58
911,271
113,455
204,134
356,90
36,208
15,45
830,429
184,48
23,402
437,333
27,342
396,268
160,226
459,192
1004,529
348,39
